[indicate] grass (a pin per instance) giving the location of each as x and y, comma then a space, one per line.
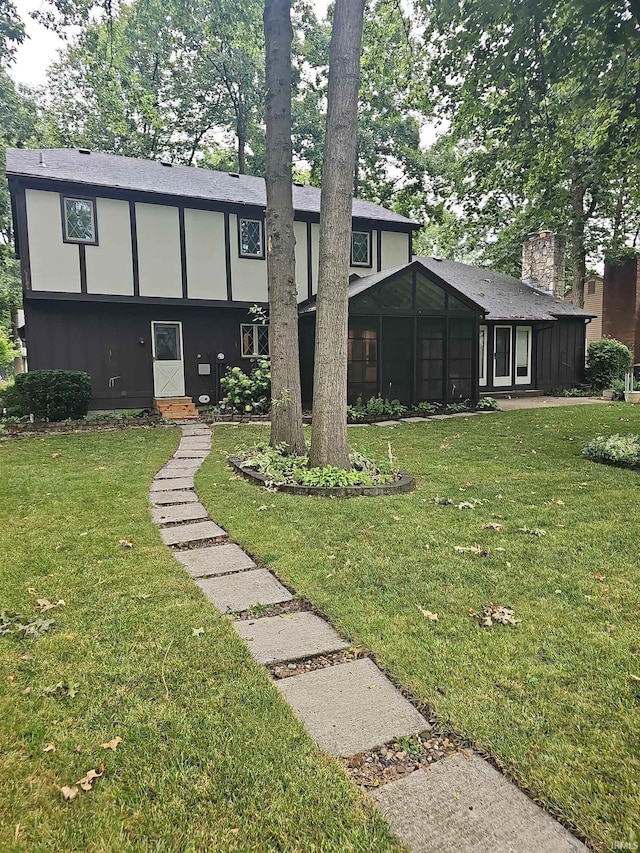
211, 758
555, 699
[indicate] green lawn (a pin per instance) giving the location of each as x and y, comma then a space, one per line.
211, 758
556, 699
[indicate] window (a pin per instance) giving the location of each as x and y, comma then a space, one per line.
251, 238
523, 353
360, 248
79, 220
255, 340
483, 355
591, 288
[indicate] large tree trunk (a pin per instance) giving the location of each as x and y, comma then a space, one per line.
578, 250
286, 407
329, 429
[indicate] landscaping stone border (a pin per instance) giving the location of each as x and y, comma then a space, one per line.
405, 483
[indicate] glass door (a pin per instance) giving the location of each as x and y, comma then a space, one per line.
502, 356
523, 355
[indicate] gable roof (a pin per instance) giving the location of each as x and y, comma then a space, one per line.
97, 169
501, 297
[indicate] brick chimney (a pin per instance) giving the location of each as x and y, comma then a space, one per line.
543, 262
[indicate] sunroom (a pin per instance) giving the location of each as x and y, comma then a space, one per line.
411, 338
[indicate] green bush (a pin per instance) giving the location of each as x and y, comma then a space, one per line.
51, 395
615, 449
487, 404
247, 393
607, 361
12, 400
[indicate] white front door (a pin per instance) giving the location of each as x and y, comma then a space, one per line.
502, 356
168, 360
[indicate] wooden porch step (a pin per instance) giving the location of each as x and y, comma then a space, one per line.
176, 408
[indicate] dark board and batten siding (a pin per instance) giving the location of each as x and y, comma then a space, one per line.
560, 354
105, 341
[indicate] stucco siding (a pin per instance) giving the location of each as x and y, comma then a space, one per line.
204, 238
110, 264
395, 249
55, 265
159, 250
248, 275
300, 233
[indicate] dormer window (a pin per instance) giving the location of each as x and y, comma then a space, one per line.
360, 248
79, 220
251, 238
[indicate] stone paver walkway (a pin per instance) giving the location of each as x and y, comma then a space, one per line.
459, 804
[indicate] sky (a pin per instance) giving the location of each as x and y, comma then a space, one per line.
41, 48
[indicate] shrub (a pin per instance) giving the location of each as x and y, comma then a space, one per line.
487, 404
376, 407
247, 393
52, 395
615, 449
608, 361
12, 400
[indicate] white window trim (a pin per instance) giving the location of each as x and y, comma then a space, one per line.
524, 380
482, 355
94, 223
260, 223
254, 330
369, 258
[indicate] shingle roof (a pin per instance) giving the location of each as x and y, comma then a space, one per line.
501, 296
129, 173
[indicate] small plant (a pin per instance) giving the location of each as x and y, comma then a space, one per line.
50, 395
457, 408
426, 408
281, 468
622, 450
249, 394
487, 404
608, 361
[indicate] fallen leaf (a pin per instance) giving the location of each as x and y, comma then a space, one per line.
44, 604
126, 543
492, 525
428, 614
197, 632
112, 744
56, 455
599, 578
493, 614
69, 793
86, 783
50, 747
472, 549
532, 531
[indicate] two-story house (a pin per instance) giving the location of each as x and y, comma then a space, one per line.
144, 273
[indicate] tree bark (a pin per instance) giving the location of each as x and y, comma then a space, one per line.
286, 405
329, 428
578, 250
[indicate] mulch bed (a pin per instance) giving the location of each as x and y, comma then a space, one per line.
28, 430
397, 759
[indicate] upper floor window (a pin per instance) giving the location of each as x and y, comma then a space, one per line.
255, 340
251, 238
360, 248
79, 220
